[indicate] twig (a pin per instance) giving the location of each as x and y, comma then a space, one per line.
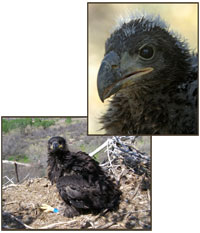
8, 186
105, 226
6, 214
121, 174
12, 202
57, 224
16, 171
108, 155
126, 149
138, 186
106, 163
148, 194
137, 211
101, 214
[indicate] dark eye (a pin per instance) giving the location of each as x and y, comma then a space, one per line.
146, 52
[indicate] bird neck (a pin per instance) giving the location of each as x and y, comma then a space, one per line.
58, 155
145, 108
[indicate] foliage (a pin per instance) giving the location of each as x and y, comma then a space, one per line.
15, 123
22, 123
44, 123
68, 120
19, 158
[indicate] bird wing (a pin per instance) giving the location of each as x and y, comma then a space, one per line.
82, 163
77, 191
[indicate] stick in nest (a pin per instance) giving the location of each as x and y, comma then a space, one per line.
6, 214
138, 186
57, 224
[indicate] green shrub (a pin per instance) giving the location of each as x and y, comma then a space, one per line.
15, 123
68, 120
23, 122
11, 158
37, 122
5, 126
44, 123
47, 124
19, 158
25, 159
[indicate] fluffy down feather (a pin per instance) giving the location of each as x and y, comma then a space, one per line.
81, 183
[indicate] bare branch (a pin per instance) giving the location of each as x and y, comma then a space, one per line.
15, 162
8, 186
57, 224
98, 149
106, 226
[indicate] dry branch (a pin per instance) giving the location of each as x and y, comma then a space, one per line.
9, 185
121, 149
57, 224
18, 163
106, 226
98, 149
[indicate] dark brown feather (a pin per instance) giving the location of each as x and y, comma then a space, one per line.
81, 182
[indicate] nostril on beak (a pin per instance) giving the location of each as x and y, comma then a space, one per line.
114, 66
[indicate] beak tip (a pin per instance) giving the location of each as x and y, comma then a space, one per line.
100, 92
102, 99
101, 96
105, 76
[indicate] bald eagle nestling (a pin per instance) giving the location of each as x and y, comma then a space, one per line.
81, 183
152, 77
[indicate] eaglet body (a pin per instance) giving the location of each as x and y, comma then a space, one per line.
81, 183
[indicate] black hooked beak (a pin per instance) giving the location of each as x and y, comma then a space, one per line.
116, 73
108, 74
55, 145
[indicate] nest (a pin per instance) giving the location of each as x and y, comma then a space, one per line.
125, 164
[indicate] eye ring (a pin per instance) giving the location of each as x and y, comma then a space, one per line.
147, 52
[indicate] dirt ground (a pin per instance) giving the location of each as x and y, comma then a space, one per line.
23, 202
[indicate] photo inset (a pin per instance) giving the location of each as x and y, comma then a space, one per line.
54, 176
142, 69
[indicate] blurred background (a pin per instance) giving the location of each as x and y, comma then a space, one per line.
102, 19
25, 140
